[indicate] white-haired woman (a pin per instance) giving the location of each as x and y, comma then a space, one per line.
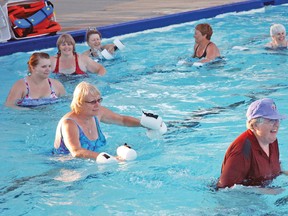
278, 36
252, 159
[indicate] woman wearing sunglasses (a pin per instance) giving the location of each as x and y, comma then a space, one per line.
78, 132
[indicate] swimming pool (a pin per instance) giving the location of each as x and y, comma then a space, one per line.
204, 109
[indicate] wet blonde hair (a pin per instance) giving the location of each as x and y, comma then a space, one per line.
35, 58
277, 28
205, 28
65, 38
82, 90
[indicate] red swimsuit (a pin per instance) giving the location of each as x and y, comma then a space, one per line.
77, 70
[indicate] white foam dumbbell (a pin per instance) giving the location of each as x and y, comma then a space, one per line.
104, 158
156, 134
151, 121
198, 64
106, 54
119, 45
154, 123
126, 152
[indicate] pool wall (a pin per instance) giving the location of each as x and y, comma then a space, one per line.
37, 43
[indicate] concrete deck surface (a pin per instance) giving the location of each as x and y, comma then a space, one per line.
76, 15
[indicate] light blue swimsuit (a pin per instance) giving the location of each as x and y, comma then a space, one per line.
92, 145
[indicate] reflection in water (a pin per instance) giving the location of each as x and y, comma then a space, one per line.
66, 175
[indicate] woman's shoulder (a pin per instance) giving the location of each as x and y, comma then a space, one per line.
87, 52
215, 48
53, 59
82, 56
52, 80
18, 88
69, 118
212, 45
20, 84
56, 83
85, 59
269, 45
54, 56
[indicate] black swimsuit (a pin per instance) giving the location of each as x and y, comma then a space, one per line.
204, 53
92, 52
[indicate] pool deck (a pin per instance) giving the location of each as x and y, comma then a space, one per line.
78, 15
119, 17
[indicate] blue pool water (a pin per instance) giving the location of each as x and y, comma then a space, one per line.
204, 109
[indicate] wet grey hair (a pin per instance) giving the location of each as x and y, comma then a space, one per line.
276, 28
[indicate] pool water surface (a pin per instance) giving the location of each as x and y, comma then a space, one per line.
203, 107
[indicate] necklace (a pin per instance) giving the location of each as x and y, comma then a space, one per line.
88, 125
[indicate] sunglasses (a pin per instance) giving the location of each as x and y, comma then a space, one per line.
95, 101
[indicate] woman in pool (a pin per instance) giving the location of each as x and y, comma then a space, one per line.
78, 132
93, 39
253, 158
68, 62
278, 36
37, 88
204, 49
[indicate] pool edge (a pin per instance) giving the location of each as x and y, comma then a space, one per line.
37, 43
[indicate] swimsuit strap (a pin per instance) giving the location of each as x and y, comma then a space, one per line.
77, 64
79, 127
77, 69
73, 121
27, 88
195, 55
53, 93
98, 127
205, 53
57, 64
61, 134
91, 53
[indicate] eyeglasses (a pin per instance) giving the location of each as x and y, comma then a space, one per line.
272, 121
95, 101
268, 121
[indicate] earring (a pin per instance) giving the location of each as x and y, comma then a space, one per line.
29, 73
